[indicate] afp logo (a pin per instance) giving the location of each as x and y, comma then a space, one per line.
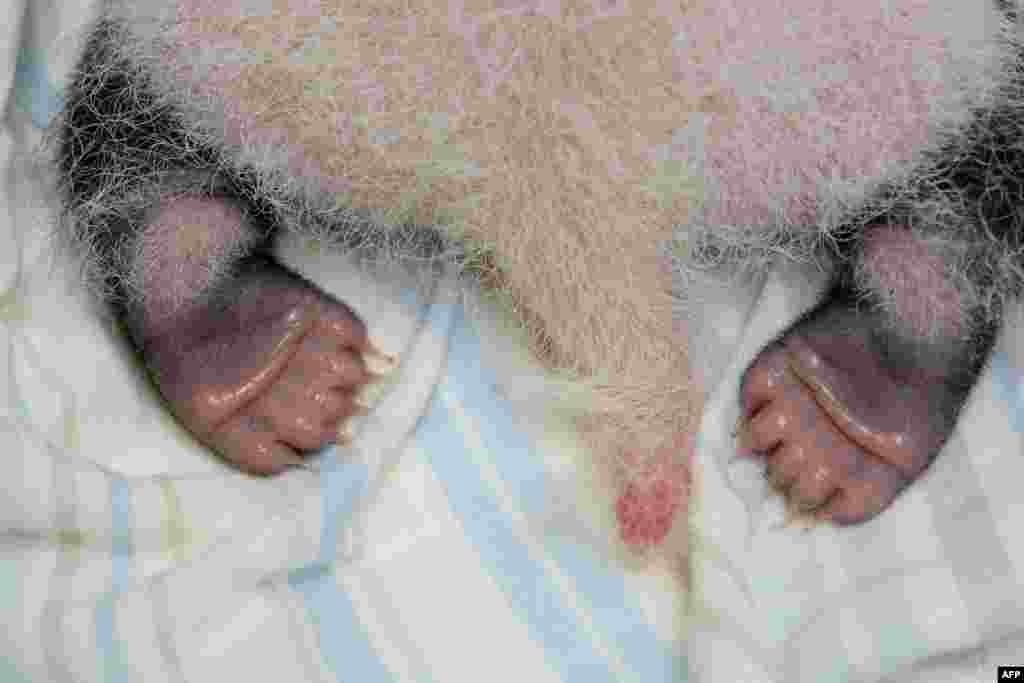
1010, 673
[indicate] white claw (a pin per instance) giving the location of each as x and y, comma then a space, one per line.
361, 400
348, 429
366, 396
378, 362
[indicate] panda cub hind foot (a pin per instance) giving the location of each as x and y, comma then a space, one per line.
852, 403
257, 363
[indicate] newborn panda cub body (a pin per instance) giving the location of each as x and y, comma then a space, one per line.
603, 153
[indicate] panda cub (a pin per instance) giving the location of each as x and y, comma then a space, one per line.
591, 161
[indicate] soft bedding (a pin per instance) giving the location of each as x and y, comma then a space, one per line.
453, 540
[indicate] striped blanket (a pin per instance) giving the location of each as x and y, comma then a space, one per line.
445, 543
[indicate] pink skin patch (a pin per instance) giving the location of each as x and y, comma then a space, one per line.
184, 249
901, 266
647, 507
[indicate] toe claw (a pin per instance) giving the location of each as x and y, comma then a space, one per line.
805, 505
368, 395
379, 363
741, 421
298, 466
742, 434
348, 429
743, 437
777, 480
806, 511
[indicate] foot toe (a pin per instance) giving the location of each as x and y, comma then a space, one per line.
763, 380
316, 363
251, 444
866, 494
765, 430
785, 466
340, 324
294, 423
808, 459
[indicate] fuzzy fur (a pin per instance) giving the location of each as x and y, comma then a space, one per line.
584, 162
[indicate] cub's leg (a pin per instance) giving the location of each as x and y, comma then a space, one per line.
256, 362
851, 403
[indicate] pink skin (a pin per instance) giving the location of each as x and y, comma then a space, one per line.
846, 413
818, 462
645, 512
262, 368
647, 506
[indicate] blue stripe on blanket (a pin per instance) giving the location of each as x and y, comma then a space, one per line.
33, 91
603, 590
524, 577
523, 580
1009, 387
344, 643
112, 667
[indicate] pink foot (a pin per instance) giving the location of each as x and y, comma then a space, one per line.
263, 372
845, 416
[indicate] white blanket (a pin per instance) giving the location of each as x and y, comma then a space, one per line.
444, 545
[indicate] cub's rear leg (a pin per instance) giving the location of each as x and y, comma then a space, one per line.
256, 362
855, 400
